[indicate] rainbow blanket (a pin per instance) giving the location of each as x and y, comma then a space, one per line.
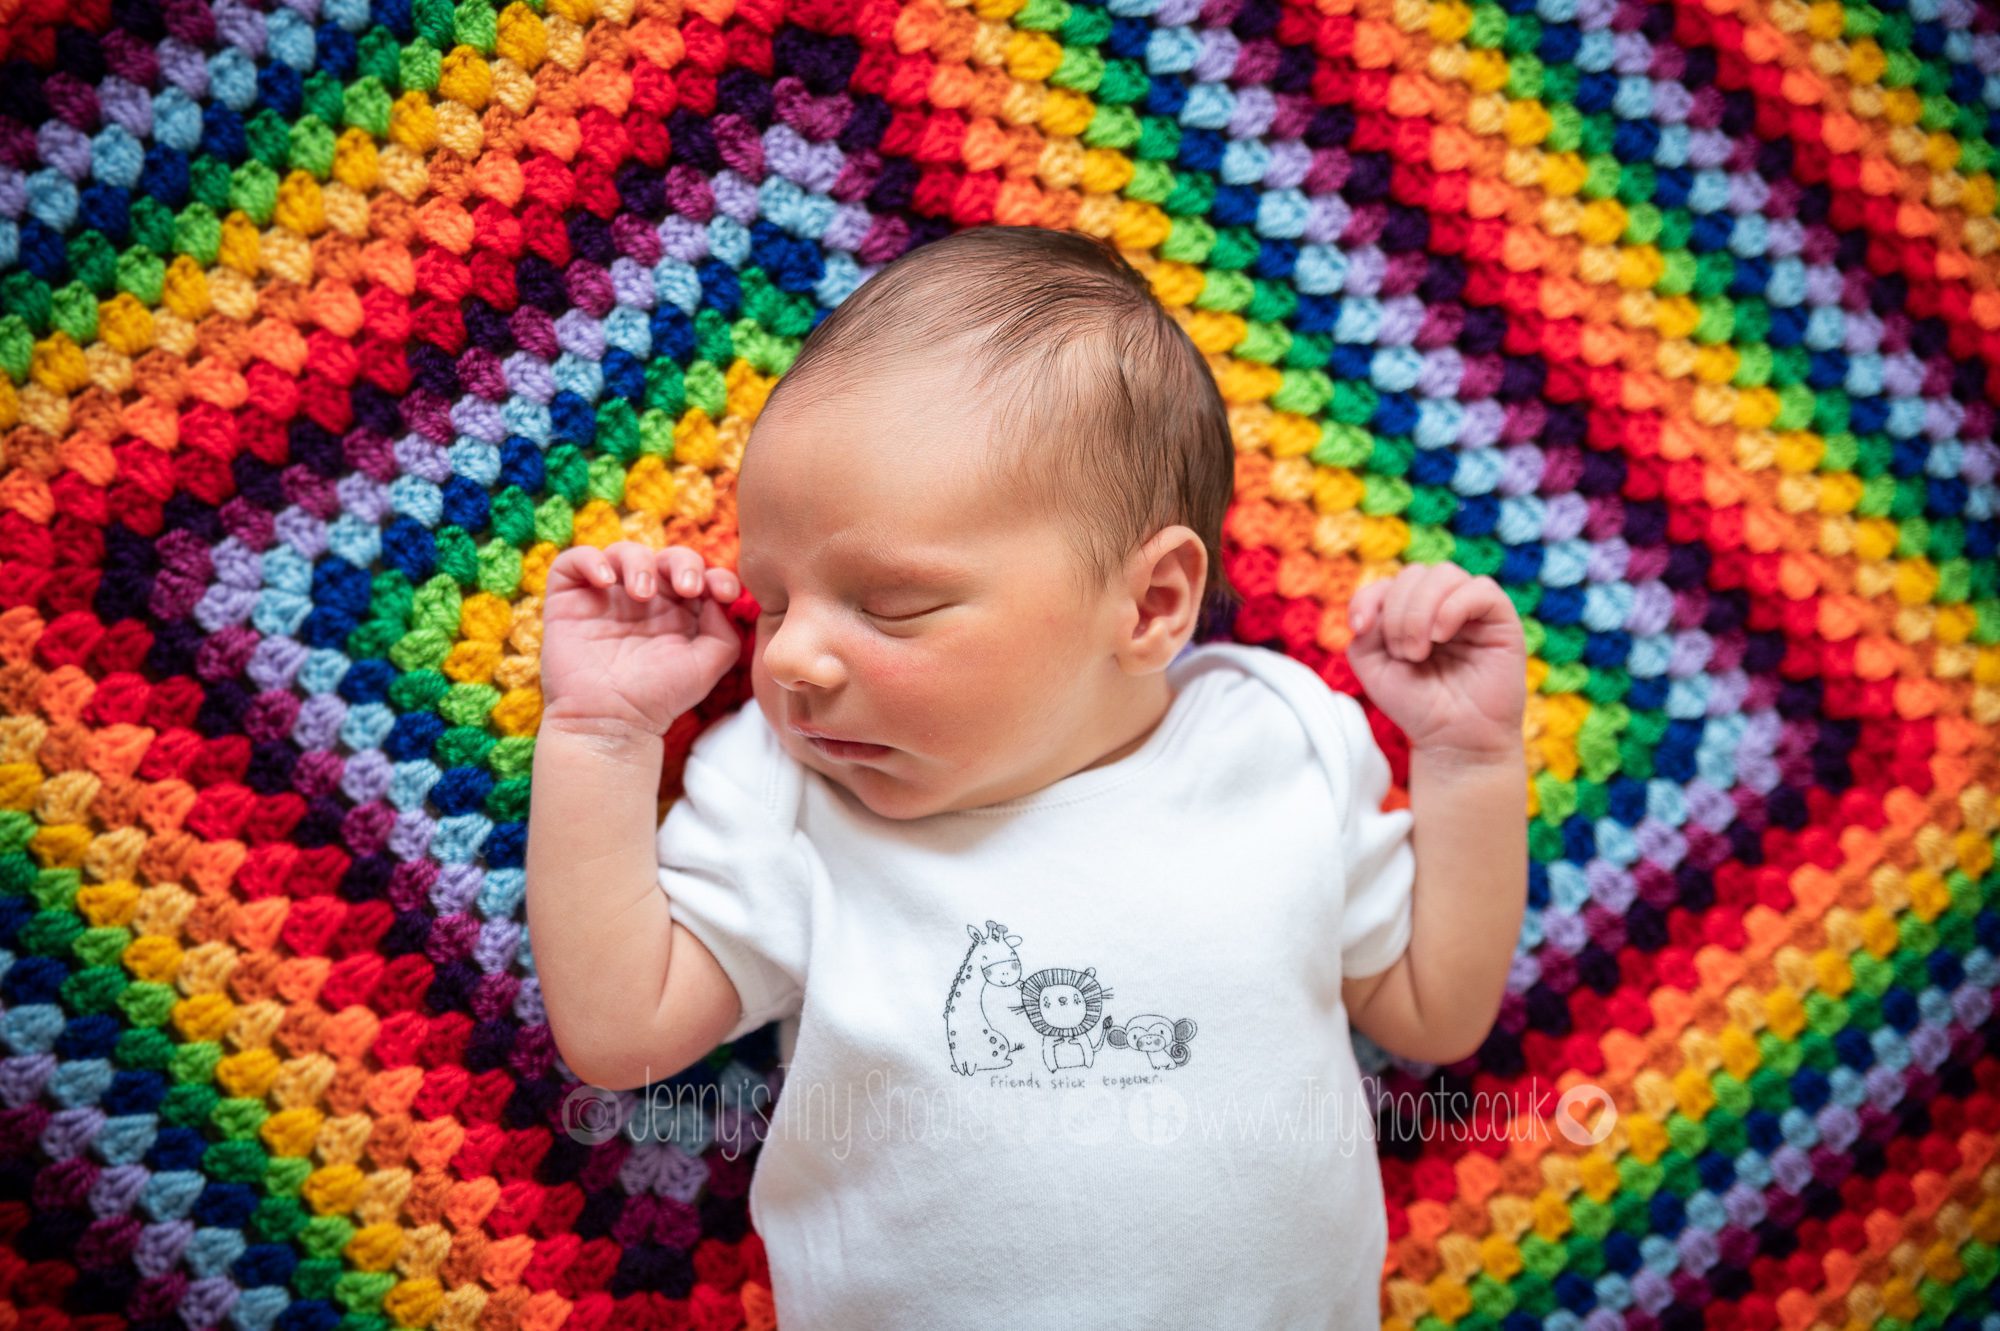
326, 324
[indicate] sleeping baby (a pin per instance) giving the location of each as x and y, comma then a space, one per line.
1075, 909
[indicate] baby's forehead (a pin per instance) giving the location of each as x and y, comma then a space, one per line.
929, 434
942, 436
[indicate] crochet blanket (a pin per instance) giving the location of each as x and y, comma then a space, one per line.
326, 324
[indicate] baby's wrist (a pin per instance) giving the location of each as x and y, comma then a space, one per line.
599, 731
1475, 759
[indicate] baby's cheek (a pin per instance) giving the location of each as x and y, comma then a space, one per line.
905, 669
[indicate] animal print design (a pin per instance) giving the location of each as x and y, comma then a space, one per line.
1066, 1008
978, 1041
992, 1012
1163, 1042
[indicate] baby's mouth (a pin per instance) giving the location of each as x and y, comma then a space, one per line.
846, 750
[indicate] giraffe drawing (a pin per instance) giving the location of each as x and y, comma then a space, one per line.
979, 1043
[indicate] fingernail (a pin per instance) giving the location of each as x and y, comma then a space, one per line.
643, 584
690, 583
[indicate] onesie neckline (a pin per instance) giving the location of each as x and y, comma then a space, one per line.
1183, 676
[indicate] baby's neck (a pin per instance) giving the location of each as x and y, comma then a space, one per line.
1151, 699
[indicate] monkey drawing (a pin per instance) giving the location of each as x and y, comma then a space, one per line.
1163, 1042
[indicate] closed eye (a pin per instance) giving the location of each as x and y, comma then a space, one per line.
887, 619
897, 619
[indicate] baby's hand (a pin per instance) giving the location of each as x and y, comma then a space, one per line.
629, 639
1442, 653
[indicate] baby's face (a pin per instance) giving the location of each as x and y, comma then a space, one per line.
903, 608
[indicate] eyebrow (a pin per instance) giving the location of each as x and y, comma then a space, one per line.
917, 570
902, 570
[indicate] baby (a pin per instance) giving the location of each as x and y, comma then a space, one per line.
1074, 911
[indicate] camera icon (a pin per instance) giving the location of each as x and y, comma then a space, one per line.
590, 1115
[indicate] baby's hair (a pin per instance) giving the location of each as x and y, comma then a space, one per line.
1112, 422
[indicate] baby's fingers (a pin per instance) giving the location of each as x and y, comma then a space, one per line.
1477, 610
1365, 608
688, 575
682, 568
1469, 598
1413, 606
585, 565
635, 567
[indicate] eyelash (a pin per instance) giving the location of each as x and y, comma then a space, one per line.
886, 619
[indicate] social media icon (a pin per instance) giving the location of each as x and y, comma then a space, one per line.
1574, 1113
590, 1115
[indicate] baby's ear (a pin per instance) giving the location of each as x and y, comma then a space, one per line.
1013, 940
973, 929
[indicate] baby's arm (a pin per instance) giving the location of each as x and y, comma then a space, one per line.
1437, 1002
631, 995
632, 639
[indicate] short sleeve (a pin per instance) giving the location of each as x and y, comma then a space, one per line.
1378, 860
736, 868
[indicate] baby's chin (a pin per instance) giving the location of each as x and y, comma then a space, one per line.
893, 802
882, 794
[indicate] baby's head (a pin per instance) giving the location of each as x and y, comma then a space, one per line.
981, 513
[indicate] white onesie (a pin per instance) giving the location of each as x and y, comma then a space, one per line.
1079, 1058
